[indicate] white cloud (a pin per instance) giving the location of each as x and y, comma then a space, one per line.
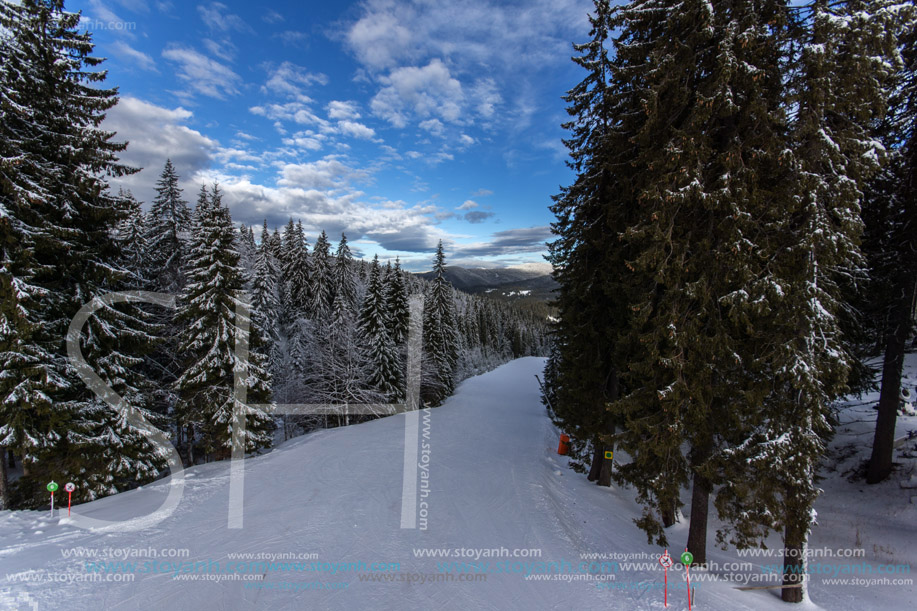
477, 216
217, 17
440, 157
392, 225
224, 49
288, 79
498, 34
434, 126
486, 97
426, 92
452, 44
102, 16
228, 155
138, 6
356, 130
482, 193
324, 193
298, 112
342, 110
204, 75
303, 141
326, 173
472, 214
379, 40
509, 242
465, 140
138, 58
272, 16
155, 134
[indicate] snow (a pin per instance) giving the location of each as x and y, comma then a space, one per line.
494, 481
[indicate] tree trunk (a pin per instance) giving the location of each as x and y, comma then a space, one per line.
794, 561
598, 454
880, 463
610, 394
605, 469
697, 530
4, 481
190, 442
12, 459
668, 515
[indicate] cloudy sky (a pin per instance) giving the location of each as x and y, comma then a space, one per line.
398, 122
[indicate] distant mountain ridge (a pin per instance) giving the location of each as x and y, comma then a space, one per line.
505, 284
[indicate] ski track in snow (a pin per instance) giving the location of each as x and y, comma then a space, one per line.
495, 481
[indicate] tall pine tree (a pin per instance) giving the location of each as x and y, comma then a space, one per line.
440, 336
376, 340
59, 229
169, 223
208, 309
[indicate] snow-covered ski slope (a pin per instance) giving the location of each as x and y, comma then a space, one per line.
495, 483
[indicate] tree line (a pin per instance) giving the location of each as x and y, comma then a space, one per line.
322, 327
738, 241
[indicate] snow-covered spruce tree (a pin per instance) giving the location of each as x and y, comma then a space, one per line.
298, 276
707, 169
276, 247
321, 289
396, 300
334, 370
31, 424
472, 357
398, 310
295, 386
342, 376
245, 243
440, 337
169, 222
294, 329
345, 282
592, 309
294, 263
188, 420
892, 243
266, 304
159, 366
208, 310
61, 251
376, 341
114, 341
132, 242
797, 358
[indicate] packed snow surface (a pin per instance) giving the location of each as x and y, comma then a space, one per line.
499, 501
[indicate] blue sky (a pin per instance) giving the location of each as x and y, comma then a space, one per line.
398, 122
